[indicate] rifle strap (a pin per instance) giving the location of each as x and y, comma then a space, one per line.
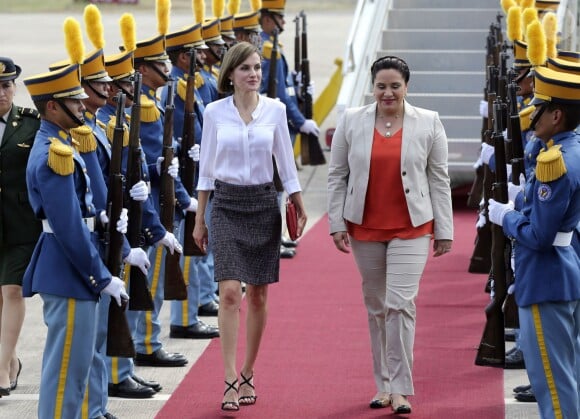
83, 135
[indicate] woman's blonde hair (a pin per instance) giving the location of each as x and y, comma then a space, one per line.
235, 56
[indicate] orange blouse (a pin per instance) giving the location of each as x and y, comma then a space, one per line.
386, 215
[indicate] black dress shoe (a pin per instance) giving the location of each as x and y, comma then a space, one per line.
208, 309
130, 389
147, 383
110, 416
526, 396
286, 253
200, 330
4, 391
510, 336
160, 358
522, 388
289, 243
515, 361
14, 384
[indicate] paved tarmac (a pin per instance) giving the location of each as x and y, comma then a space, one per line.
34, 41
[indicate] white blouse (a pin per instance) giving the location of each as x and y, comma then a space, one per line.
241, 154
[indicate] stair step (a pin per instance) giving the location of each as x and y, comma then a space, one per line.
447, 82
437, 38
440, 60
441, 18
448, 104
463, 4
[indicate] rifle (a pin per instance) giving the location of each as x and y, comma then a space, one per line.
273, 93
140, 298
297, 46
310, 150
491, 351
174, 284
119, 340
188, 166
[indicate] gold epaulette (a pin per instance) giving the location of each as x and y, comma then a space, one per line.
550, 164
149, 111
215, 72
181, 88
85, 138
199, 80
60, 157
525, 120
267, 50
110, 130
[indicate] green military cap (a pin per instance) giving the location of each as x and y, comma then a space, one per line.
8, 70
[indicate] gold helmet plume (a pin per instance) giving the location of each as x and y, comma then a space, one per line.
94, 26
162, 8
514, 23
537, 50
73, 40
127, 25
550, 24
528, 16
255, 5
525, 4
234, 7
506, 5
199, 10
218, 8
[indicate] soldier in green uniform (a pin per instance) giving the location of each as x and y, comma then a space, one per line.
19, 229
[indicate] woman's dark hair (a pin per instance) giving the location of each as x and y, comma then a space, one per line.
235, 56
390, 61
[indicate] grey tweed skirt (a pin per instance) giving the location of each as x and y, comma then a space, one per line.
246, 226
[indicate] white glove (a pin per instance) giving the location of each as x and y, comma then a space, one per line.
514, 190
487, 152
480, 220
139, 192
497, 211
193, 152
171, 242
123, 221
192, 205
138, 257
104, 218
172, 170
298, 78
508, 170
310, 127
116, 289
310, 88
483, 108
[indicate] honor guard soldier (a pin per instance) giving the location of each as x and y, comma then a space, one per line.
547, 266
247, 28
19, 228
150, 59
180, 45
66, 268
210, 32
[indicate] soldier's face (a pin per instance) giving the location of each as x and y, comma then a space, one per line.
7, 91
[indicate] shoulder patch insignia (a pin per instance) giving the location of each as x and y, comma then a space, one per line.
31, 113
149, 111
83, 135
60, 157
544, 192
550, 164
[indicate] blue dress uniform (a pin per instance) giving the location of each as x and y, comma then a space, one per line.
119, 369
285, 89
148, 326
66, 269
547, 265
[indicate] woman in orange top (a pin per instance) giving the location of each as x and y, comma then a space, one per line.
389, 195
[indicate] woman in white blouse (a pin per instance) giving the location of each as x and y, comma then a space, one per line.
240, 135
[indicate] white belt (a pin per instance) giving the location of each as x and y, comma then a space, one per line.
90, 222
563, 239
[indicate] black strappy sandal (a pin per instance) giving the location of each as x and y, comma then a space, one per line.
231, 405
247, 400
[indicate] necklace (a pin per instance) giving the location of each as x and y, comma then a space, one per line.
388, 126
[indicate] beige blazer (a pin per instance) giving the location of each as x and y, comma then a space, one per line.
423, 169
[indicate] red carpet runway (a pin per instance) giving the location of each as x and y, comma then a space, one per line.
315, 359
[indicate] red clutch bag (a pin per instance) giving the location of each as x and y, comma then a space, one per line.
291, 220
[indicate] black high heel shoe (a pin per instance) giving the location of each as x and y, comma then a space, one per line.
231, 405
14, 384
247, 381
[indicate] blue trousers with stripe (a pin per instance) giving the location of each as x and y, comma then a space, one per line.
68, 356
550, 340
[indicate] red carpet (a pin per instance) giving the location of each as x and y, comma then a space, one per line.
315, 359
